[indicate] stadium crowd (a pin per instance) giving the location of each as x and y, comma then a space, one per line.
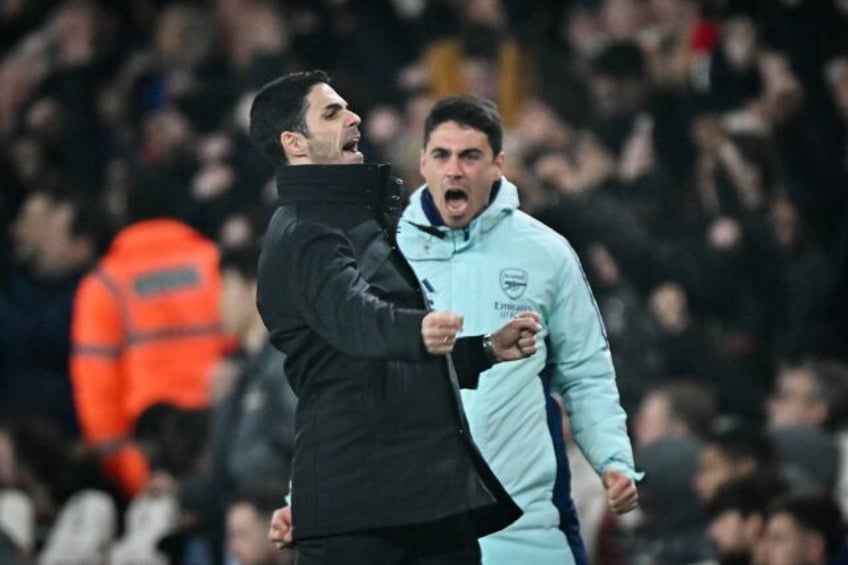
693, 152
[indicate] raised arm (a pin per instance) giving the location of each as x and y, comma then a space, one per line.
313, 267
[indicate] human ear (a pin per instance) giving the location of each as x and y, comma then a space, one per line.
293, 143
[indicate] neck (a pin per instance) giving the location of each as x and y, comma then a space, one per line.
299, 160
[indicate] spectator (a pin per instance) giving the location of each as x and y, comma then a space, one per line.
58, 237
709, 149
680, 340
802, 285
737, 515
807, 412
733, 451
145, 328
672, 421
628, 326
810, 393
683, 408
248, 516
482, 59
251, 439
804, 527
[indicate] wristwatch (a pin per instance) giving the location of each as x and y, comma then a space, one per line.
489, 348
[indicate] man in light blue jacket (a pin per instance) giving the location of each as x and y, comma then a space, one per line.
478, 255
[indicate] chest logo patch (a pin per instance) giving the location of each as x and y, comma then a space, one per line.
514, 282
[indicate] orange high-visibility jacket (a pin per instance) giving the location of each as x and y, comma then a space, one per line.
146, 328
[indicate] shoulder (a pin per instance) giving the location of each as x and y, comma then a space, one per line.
538, 240
94, 285
97, 294
288, 229
301, 242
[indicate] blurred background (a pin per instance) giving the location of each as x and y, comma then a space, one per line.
694, 152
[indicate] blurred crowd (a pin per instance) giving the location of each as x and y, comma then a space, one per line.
694, 153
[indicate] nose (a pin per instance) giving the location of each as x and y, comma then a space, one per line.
453, 168
353, 119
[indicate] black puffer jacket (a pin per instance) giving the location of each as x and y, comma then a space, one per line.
381, 439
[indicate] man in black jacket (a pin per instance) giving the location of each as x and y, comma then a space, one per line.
384, 469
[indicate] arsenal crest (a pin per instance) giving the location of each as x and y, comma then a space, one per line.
513, 282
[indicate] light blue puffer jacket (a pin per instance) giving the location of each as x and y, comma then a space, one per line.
505, 262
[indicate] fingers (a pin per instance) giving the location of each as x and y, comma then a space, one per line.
527, 322
517, 338
439, 331
528, 314
622, 494
280, 530
628, 500
527, 343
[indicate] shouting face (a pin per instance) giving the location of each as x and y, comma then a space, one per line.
333, 130
459, 167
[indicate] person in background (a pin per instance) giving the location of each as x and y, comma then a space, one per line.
58, 236
737, 517
732, 452
251, 439
248, 515
463, 230
145, 328
807, 527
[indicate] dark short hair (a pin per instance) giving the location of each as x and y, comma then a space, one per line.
470, 111
155, 193
814, 510
692, 402
281, 106
748, 495
243, 259
620, 60
88, 218
739, 441
91, 221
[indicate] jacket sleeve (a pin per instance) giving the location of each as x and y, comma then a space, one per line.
584, 375
337, 303
97, 336
470, 360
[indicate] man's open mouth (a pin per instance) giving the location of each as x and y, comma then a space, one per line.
351, 146
456, 201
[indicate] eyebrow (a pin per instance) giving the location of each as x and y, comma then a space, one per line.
333, 107
463, 153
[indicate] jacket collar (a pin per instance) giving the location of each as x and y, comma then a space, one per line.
364, 183
421, 220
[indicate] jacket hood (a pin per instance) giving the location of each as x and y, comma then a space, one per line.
419, 232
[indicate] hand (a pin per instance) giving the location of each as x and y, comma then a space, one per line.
280, 531
622, 495
438, 330
517, 338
